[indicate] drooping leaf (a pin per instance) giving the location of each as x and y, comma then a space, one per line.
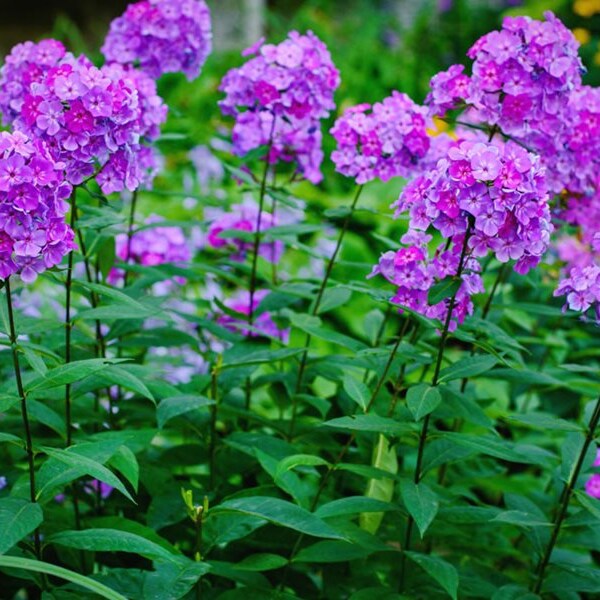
384, 457
357, 391
422, 399
421, 502
111, 540
468, 367
439, 570
28, 564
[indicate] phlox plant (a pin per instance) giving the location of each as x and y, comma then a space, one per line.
222, 380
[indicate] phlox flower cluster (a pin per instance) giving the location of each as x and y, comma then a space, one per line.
94, 120
33, 233
521, 79
152, 245
498, 188
383, 141
244, 218
263, 323
413, 271
573, 153
278, 98
581, 286
161, 36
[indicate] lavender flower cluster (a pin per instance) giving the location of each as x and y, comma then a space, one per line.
380, 142
278, 98
94, 120
161, 36
33, 189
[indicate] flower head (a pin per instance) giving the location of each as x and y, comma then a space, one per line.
161, 36
278, 98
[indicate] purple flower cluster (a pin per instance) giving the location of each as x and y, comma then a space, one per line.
498, 187
263, 324
521, 78
153, 245
94, 120
581, 286
161, 36
414, 273
573, 153
244, 218
33, 193
278, 98
386, 142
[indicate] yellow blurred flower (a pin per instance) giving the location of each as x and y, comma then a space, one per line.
583, 36
586, 8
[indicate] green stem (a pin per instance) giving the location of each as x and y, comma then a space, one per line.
317, 304
68, 323
434, 382
23, 396
565, 498
130, 225
257, 233
213, 427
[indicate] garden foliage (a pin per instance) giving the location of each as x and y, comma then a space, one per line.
266, 392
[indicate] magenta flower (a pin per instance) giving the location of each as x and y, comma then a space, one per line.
278, 98
498, 187
93, 120
592, 486
244, 217
387, 142
263, 323
151, 246
33, 232
161, 36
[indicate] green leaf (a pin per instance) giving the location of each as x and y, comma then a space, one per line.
439, 570
298, 460
520, 518
87, 465
173, 580
334, 297
126, 463
27, 564
370, 422
106, 256
261, 562
46, 416
238, 358
115, 375
468, 367
312, 326
280, 513
381, 489
18, 518
592, 505
496, 447
70, 373
354, 505
422, 399
444, 289
7, 402
421, 503
357, 390
169, 408
545, 421
35, 361
112, 540
331, 552
373, 323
